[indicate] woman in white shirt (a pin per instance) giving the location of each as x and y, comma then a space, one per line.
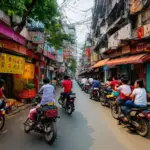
138, 97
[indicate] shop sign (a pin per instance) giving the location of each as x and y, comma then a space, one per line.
11, 64
143, 31
147, 47
105, 68
13, 46
88, 52
4, 30
37, 37
60, 58
67, 54
140, 32
28, 72
123, 34
140, 47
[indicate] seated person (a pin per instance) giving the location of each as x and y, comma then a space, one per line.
138, 97
95, 83
67, 85
124, 91
47, 92
107, 85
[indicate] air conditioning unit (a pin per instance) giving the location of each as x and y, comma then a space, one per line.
16, 19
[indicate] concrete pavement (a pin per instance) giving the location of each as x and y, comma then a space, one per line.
91, 127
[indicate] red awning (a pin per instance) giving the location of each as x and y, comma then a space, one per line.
100, 63
140, 58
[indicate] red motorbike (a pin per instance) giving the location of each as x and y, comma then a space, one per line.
43, 120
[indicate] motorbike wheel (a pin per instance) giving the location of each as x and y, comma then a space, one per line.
27, 125
144, 130
50, 136
102, 101
60, 101
70, 109
115, 111
2, 122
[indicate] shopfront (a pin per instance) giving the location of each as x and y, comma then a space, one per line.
10, 65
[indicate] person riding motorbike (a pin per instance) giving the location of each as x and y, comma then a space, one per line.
47, 91
124, 91
138, 98
95, 83
84, 81
90, 80
107, 85
2, 96
67, 85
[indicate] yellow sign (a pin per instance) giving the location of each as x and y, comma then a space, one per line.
29, 71
11, 64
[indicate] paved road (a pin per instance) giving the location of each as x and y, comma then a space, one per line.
91, 127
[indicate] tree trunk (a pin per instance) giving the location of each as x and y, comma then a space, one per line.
25, 15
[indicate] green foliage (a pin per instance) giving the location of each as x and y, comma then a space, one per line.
45, 11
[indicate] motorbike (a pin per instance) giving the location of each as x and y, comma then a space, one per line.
67, 102
2, 117
94, 94
106, 98
87, 88
43, 121
138, 120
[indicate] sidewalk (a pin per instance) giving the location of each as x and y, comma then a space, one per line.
26, 106
19, 109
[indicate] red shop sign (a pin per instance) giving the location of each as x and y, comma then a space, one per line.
140, 47
140, 32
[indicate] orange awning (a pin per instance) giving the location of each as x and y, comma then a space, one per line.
140, 58
100, 63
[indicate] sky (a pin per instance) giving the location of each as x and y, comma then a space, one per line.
78, 11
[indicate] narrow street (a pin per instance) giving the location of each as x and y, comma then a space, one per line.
91, 127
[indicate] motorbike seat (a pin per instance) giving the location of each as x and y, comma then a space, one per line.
95, 88
139, 109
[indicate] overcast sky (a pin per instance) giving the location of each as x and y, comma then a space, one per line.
75, 10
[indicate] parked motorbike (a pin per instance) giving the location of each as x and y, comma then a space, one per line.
67, 102
2, 116
138, 120
115, 110
43, 121
87, 88
94, 94
106, 98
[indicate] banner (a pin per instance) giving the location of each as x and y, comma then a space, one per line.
11, 64
29, 71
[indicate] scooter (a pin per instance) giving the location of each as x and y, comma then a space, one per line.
42, 119
94, 94
67, 102
139, 119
